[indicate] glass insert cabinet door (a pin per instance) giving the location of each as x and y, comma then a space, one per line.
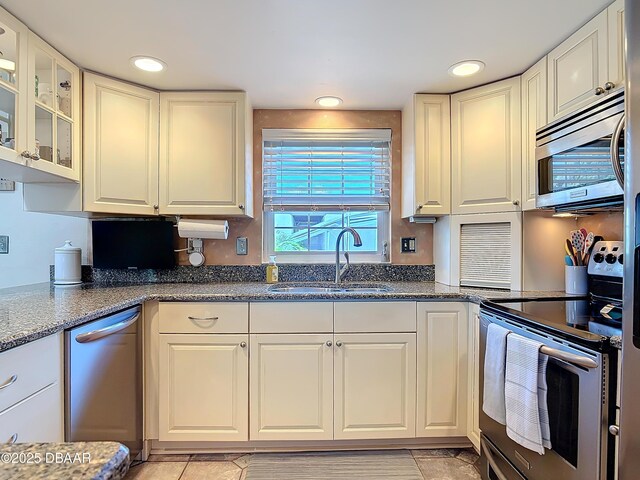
13, 88
53, 111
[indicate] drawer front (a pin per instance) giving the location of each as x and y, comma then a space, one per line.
375, 317
195, 317
26, 369
36, 419
292, 317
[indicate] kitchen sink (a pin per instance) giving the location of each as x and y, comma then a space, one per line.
328, 289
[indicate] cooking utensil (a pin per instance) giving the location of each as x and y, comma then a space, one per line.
568, 260
588, 244
569, 249
584, 232
577, 242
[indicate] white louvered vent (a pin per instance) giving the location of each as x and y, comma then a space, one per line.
485, 255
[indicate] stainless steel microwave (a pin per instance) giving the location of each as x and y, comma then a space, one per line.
580, 157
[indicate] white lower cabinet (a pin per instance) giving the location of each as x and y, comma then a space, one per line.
204, 387
291, 387
375, 385
442, 369
473, 410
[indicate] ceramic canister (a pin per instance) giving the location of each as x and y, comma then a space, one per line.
68, 264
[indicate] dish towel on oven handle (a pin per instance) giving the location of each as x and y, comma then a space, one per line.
493, 403
526, 394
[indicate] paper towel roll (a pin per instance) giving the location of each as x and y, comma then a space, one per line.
214, 229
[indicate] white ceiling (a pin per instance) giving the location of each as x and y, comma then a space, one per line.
285, 53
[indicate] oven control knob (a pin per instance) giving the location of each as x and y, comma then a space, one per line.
598, 258
620, 258
610, 258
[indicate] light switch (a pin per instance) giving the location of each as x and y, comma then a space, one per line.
7, 185
242, 246
408, 245
4, 243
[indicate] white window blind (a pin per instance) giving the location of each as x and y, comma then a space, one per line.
485, 255
326, 170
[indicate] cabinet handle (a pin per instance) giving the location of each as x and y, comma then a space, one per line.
609, 86
243, 344
25, 154
329, 343
599, 91
9, 382
614, 430
202, 319
13, 439
35, 156
338, 344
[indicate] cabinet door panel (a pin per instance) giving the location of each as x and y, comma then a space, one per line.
486, 152
576, 67
375, 381
442, 367
203, 387
291, 387
202, 153
36, 419
615, 16
534, 116
120, 147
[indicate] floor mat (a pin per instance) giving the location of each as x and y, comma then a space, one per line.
371, 465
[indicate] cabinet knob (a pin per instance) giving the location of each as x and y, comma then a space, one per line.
329, 343
609, 86
243, 344
35, 156
516, 202
241, 206
614, 430
25, 154
155, 207
13, 439
338, 343
599, 91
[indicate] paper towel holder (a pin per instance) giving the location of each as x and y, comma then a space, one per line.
195, 249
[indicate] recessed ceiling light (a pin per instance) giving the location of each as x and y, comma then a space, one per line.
466, 68
328, 101
148, 64
7, 65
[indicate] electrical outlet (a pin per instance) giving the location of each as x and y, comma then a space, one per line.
242, 246
4, 243
408, 245
7, 185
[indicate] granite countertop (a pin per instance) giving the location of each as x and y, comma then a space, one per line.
53, 461
35, 311
616, 342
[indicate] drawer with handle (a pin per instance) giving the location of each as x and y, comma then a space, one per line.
36, 419
26, 369
203, 317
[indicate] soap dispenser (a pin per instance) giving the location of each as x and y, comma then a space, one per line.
272, 270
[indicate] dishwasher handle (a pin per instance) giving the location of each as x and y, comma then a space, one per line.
106, 331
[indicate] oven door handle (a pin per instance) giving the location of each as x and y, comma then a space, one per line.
491, 460
615, 152
578, 360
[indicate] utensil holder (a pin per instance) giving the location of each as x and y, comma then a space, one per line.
575, 280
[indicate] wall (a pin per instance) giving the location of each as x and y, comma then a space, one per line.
33, 237
222, 252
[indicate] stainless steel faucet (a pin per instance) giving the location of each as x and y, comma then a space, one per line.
357, 242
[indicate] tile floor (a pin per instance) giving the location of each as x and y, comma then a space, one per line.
439, 464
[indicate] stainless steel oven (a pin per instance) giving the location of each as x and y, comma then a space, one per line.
580, 157
578, 405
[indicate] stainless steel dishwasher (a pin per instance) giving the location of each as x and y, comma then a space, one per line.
103, 373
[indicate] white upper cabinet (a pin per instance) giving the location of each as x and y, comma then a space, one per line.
426, 156
120, 147
615, 18
534, 116
205, 154
577, 67
53, 111
485, 148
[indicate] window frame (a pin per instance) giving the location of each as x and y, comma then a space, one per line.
382, 255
